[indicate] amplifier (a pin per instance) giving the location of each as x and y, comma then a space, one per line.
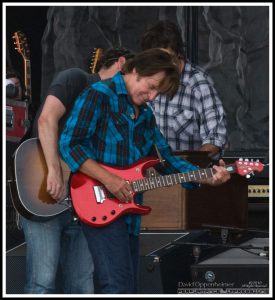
178, 208
14, 236
165, 264
166, 257
17, 119
16, 271
257, 187
240, 270
260, 190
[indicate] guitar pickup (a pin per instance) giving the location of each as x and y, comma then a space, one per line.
99, 194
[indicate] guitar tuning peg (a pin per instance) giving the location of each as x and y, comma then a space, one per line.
240, 159
246, 159
257, 160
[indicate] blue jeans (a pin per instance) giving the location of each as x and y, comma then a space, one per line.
58, 240
115, 254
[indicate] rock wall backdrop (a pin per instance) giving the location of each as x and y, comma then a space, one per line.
231, 42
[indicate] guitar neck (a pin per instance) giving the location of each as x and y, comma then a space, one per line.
96, 56
146, 184
27, 77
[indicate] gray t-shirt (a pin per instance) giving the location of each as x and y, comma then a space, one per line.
66, 86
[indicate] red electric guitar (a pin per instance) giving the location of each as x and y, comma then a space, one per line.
96, 207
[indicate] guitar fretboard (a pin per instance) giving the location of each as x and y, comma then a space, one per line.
169, 180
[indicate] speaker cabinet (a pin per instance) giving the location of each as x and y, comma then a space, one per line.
17, 119
234, 271
177, 208
16, 270
14, 236
166, 258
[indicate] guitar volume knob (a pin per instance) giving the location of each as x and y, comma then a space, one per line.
104, 218
93, 219
113, 212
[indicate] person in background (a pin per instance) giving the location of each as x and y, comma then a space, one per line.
60, 239
193, 118
14, 86
112, 124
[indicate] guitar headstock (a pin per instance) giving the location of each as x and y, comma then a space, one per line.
21, 43
245, 167
96, 54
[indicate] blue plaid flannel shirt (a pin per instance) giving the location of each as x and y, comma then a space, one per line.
101, 127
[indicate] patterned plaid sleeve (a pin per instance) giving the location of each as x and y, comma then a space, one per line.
173, 163
212, 117
73, 143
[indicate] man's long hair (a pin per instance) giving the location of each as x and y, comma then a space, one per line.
153, 61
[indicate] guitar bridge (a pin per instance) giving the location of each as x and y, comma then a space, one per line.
99, 194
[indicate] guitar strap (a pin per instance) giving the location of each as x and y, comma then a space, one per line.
161, 160
152, 172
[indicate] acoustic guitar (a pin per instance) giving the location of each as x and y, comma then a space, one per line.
29, 185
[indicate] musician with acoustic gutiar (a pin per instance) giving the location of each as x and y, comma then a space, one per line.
111, 128
51, 230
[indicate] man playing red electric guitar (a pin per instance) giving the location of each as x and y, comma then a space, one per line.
111, 124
